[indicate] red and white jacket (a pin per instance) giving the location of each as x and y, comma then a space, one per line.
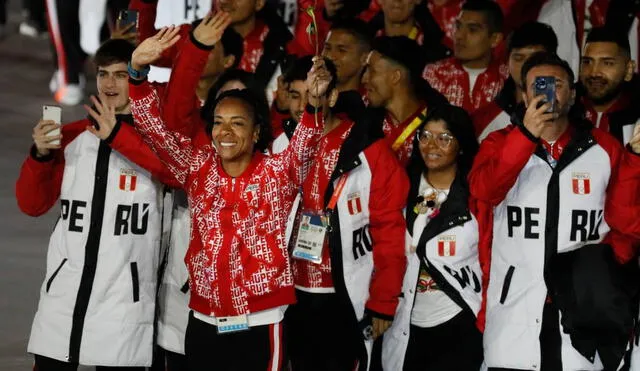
237, 258
449, 78
446, 16
528, 210
103, 254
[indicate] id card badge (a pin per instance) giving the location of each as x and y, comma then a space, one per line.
310, 240
233, 324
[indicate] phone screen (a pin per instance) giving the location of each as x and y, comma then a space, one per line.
53, 113
546, 85
128, 17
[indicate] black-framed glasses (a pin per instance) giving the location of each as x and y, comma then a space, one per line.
442, 140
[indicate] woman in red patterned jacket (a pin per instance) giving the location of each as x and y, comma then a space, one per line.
239, 272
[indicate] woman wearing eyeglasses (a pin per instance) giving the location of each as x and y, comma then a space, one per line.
435, 324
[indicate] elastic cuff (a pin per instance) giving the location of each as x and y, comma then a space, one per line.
114, 132
200, 45
34, 155
313, 109
375, 314
528, 134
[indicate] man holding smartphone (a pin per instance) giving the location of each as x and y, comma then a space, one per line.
97, 302
556, 192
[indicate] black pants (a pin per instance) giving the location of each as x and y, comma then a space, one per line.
550, 342
165, 360
318, 334
455, 345
64, 31
49, 364
36, 13
3, 12
261, 348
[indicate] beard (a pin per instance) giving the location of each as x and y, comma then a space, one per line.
607, 94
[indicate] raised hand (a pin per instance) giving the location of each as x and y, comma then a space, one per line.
210, 30
536, 119
151, 49
105, 116
125, 33
635, 140
318, 80
42, 141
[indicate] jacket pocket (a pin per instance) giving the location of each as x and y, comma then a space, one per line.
506, 284
55, 273
135, 282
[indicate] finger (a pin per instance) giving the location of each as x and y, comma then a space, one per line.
172, 42
92, 113
635, 139
533, 105
161, 33
49, 146
97, 104
43, 124
106, 106
47, 139
126, 28
548, 117
49, 128
92, 130
208, 18
172, 33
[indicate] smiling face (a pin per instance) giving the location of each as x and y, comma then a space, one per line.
113, 81
604, 69
438, 147
346, 53
234, 132
398, 11
297, 98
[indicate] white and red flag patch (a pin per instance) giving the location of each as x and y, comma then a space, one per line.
354, 203
447, 245
128, 179
581, 183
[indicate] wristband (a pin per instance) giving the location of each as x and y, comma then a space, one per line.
138, 75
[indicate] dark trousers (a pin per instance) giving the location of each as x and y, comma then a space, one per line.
64, 30
318, 334
3, 12
165, 360
49, 364
258, 349
455, 345
550, 341
36, 13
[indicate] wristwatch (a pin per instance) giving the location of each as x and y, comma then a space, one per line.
138, 74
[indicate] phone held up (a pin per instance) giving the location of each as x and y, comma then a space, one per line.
546, 85
127, 17
53, 113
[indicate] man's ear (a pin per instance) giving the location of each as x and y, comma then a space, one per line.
524, 99
260, 4
333, 98
631, 66
228, 61
496, 39
572, 99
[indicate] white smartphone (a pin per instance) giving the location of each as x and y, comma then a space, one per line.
53, 113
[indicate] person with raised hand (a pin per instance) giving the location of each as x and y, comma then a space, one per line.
239, 271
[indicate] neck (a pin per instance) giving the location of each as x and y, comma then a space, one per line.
603, 107
478, 63
518, 94
234, 168
126, 110
245, 27
442, 178
402, 106
331, 122
556, 129
204, 84
399, 29
351, 84
439, 2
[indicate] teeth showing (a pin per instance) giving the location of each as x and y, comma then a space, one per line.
227, 144
433, 156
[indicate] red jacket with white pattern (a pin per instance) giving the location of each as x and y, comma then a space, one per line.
240, 264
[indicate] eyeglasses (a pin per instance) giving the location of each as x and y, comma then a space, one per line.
442, 140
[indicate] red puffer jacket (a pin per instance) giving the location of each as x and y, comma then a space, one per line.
239, 264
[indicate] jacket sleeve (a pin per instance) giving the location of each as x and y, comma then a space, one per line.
126, 140
296, 158
39, 183
389, 189
174, 149
180, 103
503, 154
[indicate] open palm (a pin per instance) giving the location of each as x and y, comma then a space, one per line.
151, 49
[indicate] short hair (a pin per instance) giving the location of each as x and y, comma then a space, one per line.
260, 113
610, 35
248, 79
357, 28
532, 34
298, 70
491, 11
232, 44
114, 51
546, 59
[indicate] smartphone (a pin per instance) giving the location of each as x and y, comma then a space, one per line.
546, 85
127, 17
53, 113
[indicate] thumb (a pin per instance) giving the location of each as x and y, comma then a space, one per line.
92, 130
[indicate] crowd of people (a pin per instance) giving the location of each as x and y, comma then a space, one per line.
381, 186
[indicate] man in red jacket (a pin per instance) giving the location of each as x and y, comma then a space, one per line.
606, 74
473, 76
102, 259
552, 185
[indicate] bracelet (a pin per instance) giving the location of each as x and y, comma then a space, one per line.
138, 75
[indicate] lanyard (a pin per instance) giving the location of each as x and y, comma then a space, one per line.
409, 130
414, 33
336, 193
